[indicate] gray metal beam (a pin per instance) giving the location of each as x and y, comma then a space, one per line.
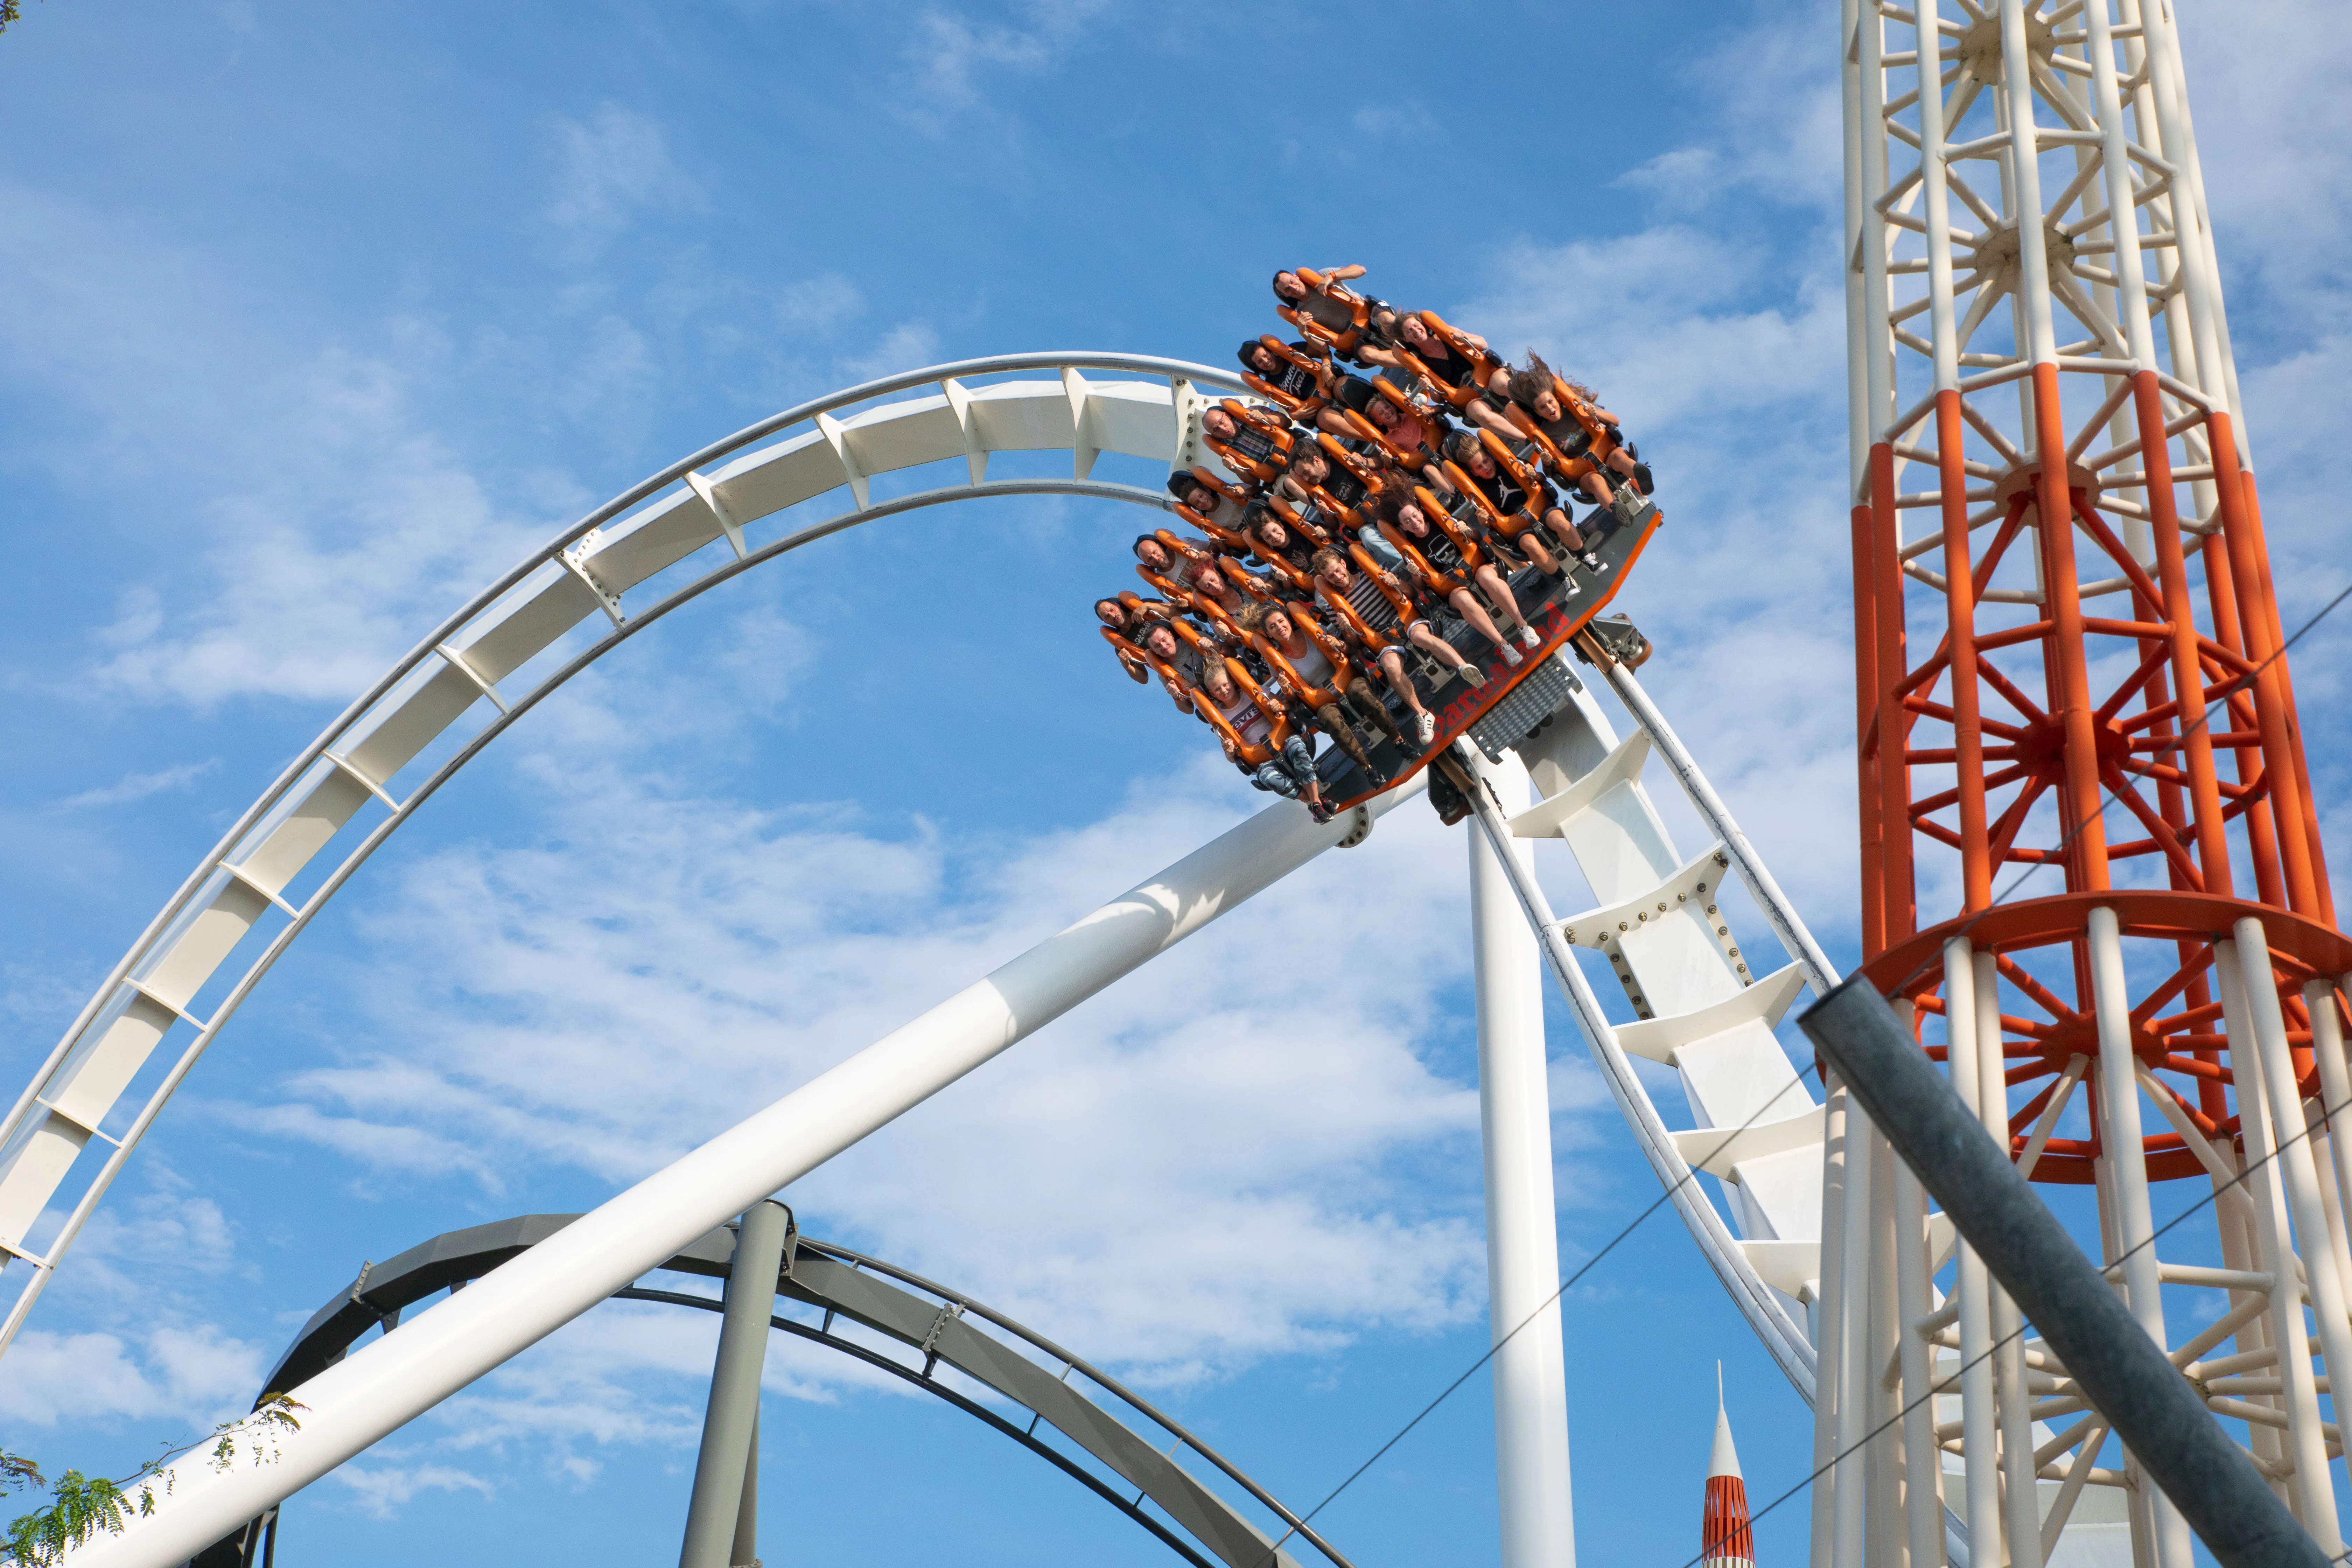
2125, 1374
722, 1477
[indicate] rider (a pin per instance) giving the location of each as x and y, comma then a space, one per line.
1402, 539
1338, 587
1288, 766
1316, 670
1534, 396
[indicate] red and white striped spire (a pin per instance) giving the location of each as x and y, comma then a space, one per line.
1726, 1540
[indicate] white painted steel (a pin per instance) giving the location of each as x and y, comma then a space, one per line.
253, 894
2022, 188
1581, 741
436, 1353
1530, 1373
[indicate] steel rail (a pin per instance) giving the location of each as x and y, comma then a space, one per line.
121, 989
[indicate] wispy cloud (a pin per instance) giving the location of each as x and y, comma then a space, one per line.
139, 786
609, 169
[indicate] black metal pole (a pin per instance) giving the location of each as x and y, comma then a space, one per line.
2120, 1370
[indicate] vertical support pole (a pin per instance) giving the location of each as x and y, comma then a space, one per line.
2298, 1177
746, 1551
1531, 1462
2309, 1493
2012, 1396
733, 1414
1849, 1531
1923, 1459
1979, 1414
1829, 1318
2335, 1083
2135, 1217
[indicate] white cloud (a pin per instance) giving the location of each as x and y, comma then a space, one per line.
196, 1376
382, 1490
1405, 122
1197, 1169
139, 786
610, 169
952, 59
909, 345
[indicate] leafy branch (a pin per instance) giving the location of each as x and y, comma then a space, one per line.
84, 1505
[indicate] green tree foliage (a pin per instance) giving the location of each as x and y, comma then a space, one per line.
9, 12
81, 1505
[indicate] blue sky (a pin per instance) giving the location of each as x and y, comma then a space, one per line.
317, 318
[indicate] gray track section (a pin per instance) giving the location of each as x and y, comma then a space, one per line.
944, 1326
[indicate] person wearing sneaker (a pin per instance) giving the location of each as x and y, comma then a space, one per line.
1409, 529
1338, 584
1275, 757
1315, 670
1412, 553
1471, 459
1535, 398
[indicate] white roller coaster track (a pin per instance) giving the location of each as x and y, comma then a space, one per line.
1702, 1009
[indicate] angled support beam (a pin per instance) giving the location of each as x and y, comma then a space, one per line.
391, 1380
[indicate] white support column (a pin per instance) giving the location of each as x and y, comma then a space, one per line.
2119, 1110
1979, 1412
1531, 1464
2310, 1493
2298, 1177
2023, 1519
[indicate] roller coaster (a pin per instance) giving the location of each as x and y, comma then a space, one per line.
745, 502
1944, 1431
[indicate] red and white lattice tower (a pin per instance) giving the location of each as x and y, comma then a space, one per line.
2069, 657
1725, 1538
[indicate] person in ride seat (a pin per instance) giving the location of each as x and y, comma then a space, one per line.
1402, 538
1314, 668
1130, 622
1182, 661
1569, 427
1412, 437
1457, 377
1255, 445
1318, 304
1312, 479
1274, 540
1360, 601
1510, 496
1211, 505
1274, 756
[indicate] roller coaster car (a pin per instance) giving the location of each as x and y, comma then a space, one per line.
1460, 709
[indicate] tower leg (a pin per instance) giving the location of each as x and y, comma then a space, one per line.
722, 1478
1522, 1239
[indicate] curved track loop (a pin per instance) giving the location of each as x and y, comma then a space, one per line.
658, 547
651, 549
1001, 1364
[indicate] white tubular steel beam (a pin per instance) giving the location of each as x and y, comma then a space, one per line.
1756, 1299
1532, 1459
492, 661
434, 1354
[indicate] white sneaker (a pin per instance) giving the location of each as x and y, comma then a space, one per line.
1527, 636
1424, 727
1474, 675
1511, 657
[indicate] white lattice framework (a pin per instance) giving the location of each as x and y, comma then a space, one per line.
2027, 229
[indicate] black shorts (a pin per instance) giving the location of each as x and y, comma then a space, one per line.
1354, 393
